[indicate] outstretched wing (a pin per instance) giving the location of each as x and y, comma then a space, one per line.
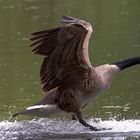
64, 64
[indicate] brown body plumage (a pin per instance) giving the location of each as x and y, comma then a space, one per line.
67, 77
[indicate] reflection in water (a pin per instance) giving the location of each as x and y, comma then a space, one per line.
9, 7
32, 8
124, 107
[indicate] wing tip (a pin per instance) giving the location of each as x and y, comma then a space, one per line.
68, 19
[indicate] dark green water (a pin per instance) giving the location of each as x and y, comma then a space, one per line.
116, 35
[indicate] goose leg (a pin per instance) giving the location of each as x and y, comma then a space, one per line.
79, 117
73, 116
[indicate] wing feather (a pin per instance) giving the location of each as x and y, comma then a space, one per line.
45, 41
64, 64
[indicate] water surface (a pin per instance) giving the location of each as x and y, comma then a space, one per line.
53, 129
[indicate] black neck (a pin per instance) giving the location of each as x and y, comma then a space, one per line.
127, 63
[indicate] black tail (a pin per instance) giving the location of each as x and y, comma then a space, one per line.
127, 62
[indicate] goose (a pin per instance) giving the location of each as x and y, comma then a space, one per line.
68, 79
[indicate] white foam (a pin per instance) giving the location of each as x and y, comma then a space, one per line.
47, 128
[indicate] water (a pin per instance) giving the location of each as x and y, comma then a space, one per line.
54, 129
116, 26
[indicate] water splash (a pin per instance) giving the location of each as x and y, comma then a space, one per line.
56, 129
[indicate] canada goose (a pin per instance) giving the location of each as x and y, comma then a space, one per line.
67, 76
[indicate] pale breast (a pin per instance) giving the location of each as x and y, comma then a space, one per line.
91, 88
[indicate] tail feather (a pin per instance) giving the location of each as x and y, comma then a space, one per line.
39, 111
